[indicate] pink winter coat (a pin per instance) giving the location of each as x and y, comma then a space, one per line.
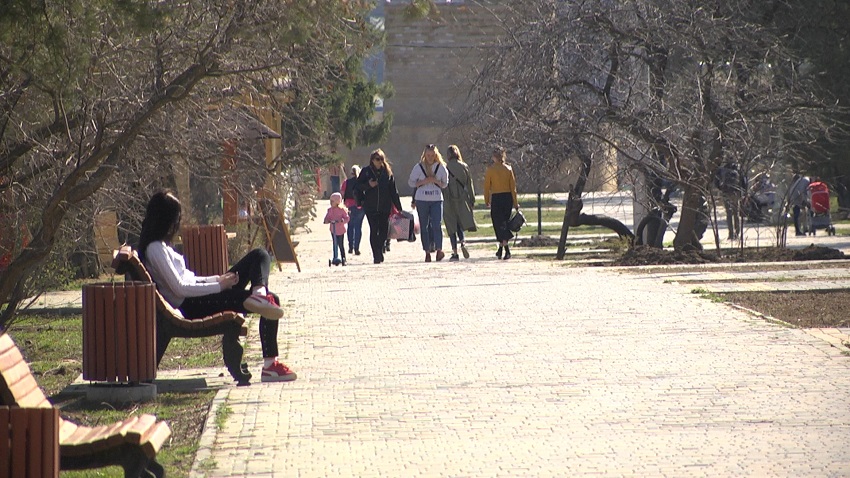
339, 216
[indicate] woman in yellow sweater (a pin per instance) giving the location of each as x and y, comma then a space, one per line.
500, 197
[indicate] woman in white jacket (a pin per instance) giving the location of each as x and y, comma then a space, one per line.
429, 177
198, 296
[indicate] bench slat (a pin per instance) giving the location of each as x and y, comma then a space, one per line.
19, 447
142, 430
89, 336
17, 385
122, 351
66, 429
86, 440
51, 430
14, 371
5, 445
155, 439
35, 444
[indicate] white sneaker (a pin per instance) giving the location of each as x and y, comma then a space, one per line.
264, 305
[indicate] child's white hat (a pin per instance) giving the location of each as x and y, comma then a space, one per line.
337, 197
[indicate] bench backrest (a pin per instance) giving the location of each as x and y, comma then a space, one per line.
17, 384
126, 261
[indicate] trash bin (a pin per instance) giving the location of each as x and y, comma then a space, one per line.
29, 442
119, 332
205, 249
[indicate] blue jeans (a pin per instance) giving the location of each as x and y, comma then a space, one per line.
430, 220
355, 227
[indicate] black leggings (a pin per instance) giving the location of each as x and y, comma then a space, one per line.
253, 269
379, 223
500, 212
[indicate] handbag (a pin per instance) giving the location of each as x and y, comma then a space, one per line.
413, 227
516, 221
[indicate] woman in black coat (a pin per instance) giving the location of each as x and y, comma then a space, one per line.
376, 185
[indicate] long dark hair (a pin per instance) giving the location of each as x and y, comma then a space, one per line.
454, 153
162, 221
379, 154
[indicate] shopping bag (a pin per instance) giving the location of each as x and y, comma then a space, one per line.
399, 227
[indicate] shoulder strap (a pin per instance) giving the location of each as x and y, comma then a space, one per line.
462, 186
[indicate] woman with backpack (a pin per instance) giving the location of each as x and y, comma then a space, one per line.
429, 177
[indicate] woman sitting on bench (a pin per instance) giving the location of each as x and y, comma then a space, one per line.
198, 297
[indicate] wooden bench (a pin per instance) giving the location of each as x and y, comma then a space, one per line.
132, 444
170, 323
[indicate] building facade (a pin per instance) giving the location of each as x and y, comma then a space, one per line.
432, 64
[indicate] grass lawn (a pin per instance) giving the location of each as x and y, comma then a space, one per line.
552, 219
52, 345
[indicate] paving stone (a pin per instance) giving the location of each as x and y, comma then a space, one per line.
527, 368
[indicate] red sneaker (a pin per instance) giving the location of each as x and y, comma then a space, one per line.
265, 305
278, 372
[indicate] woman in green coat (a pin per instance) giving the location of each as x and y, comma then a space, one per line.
458, 197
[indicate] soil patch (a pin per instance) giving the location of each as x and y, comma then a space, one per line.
645, 255
806, 309
538, 241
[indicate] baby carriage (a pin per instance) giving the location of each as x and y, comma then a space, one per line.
819, 217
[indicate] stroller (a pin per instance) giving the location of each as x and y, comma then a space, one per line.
819, 217
759, 203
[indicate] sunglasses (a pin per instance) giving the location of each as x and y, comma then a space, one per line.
431, 147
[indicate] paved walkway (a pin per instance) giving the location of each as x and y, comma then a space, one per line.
488, 368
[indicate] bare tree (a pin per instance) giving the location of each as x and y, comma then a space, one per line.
103, 96
676, 88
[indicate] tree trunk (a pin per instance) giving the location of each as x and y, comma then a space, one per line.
686, 236
574, 204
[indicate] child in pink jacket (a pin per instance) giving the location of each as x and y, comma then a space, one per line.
337, 217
